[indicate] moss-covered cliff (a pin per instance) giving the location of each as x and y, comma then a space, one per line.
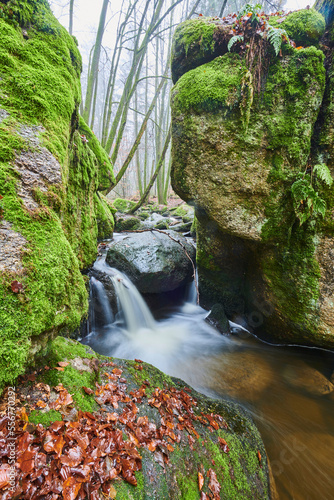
239, 145
49, 178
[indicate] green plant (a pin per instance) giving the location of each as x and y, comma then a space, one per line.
306, 200
276, 36
251, 11
234, 39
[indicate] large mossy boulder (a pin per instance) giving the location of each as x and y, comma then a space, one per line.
154, 261
126, 429
238, 149
51, 167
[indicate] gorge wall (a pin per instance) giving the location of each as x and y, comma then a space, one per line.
253, 152
52, 169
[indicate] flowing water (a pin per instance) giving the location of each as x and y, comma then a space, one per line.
284, 388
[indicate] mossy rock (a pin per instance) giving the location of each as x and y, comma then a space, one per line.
127, 223
123, 205
242, 468
164, 224
196, 42
235, 156
48, 182
304, 27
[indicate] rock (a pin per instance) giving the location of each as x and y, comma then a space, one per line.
235, 160
50, 212
123, 205
153, 261
182, 228
308, 379
127, 223
162, 225
110, 293
243, 375
218, 319
168, 428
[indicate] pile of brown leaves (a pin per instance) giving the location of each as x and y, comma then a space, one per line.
84, 456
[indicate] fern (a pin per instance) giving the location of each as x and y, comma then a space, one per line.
275, 37
319, 205
306, 201
323, 173
234, 39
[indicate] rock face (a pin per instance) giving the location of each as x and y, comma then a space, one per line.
237, 154
155, 437
153, 261
50, 212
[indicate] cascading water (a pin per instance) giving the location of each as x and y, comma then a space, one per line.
99, 303
297, 426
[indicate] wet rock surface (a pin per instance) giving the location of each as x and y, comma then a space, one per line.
11, 245
153, 261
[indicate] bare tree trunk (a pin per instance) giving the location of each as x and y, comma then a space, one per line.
155, 174
93, 70
70, 26
223, 8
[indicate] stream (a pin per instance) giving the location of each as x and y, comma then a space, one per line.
284, 388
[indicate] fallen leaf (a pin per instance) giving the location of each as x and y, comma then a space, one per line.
16, 286
224, 445
200, 481
71, 488
214, 485
112, 492
88, 390
41, 404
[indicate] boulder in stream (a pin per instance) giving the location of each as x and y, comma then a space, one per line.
147, 435
154, 261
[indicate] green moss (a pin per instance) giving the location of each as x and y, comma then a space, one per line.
106, 174
210, 87
305, 27
104, 217
127, 224
195, 31
123, 205
10, 142
40, 85
44, 418
287, 99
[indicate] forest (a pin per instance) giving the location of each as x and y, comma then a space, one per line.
166, 250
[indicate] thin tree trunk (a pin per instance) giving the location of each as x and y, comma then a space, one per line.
223, 8
155, 174
70, 26
93, 71
140, 133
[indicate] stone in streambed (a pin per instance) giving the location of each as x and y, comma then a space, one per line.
308, 379
218, 319
153, 261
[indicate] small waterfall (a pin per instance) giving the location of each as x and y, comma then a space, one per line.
135, 311
99, 303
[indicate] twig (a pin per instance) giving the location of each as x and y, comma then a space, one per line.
181, 244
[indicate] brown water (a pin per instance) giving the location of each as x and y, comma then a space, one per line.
286, 389
296, 423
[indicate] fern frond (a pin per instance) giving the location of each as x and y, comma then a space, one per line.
323, 173
234, 39
319, 205
275, 37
